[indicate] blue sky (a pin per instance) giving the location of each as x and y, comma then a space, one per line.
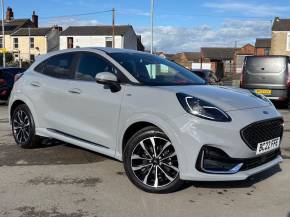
183, 25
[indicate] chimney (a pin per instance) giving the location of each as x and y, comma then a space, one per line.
9, 14
34, 20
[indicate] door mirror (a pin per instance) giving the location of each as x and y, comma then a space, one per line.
106, 78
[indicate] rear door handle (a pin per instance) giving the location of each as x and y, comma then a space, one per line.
75, 91
35, 84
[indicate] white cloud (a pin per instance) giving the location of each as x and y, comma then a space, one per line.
177, 39
70, 21
252, 9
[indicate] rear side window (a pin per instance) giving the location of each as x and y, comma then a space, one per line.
90, 65
59, 66
266, 64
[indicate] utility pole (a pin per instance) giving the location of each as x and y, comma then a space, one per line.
29, 44
152, 25
3, 36
113, 26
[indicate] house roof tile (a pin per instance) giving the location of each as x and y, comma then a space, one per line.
281, 24
263, 43
33, 32
218, 53
12, 25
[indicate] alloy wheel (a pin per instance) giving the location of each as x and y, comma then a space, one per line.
154, 162
21, 126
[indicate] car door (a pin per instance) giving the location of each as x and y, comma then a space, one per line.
48, 85
94, 108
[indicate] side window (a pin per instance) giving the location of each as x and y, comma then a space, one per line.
58, 66
90, 65
40, 67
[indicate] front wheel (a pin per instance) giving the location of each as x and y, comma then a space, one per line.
151, 162
23, 128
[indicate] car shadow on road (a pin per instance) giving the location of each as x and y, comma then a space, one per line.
251, 181
49, 152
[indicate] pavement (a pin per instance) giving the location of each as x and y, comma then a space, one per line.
60, 180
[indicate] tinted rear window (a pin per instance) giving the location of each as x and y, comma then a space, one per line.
266, 64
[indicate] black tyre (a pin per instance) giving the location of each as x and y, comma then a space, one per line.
23, 128
151, 163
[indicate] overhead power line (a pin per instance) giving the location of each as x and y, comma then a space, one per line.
77, 15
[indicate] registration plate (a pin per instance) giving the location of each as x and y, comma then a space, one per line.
263, 91
267, 146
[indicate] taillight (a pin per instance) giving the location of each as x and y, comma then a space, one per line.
17, 77
288, 78
2, 81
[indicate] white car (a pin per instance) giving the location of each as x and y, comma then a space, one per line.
152, 114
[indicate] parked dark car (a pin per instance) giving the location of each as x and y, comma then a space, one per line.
207, 75
7, 76
267, 75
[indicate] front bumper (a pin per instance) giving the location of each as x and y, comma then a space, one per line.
192, 133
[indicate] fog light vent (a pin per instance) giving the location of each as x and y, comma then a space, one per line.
215, 161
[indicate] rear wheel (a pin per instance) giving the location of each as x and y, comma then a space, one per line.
151, 162
23, 128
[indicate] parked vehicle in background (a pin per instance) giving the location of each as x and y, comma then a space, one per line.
154, 115
7, 77
207, 75
267, 75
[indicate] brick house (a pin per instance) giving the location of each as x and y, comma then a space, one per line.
221, 59
29, 43
241, 53
263, 46
187, 58
11, 25
280, 43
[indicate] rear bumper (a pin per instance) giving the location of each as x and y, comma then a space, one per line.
277, 94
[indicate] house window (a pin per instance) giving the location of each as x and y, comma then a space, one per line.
31, 42
32, 58
70, 42
109, 42
1, 42
15, 43
288, 42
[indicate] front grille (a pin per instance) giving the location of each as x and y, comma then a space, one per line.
258, 161
262, 131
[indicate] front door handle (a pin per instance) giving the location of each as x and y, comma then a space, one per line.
75, 91
35, 84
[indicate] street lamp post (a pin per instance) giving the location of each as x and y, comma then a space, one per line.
152, 25
3, 36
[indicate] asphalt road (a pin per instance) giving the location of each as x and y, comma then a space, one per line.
60, 180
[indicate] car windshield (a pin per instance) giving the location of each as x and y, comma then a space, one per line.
155, 71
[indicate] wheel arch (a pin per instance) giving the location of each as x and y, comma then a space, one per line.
139, 122
132, 129
14, 105
20, 101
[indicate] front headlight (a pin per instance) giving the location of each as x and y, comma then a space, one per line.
202, 109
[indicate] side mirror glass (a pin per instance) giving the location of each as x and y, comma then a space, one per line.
106, 78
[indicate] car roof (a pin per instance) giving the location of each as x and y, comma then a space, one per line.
89, 49
115, 50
